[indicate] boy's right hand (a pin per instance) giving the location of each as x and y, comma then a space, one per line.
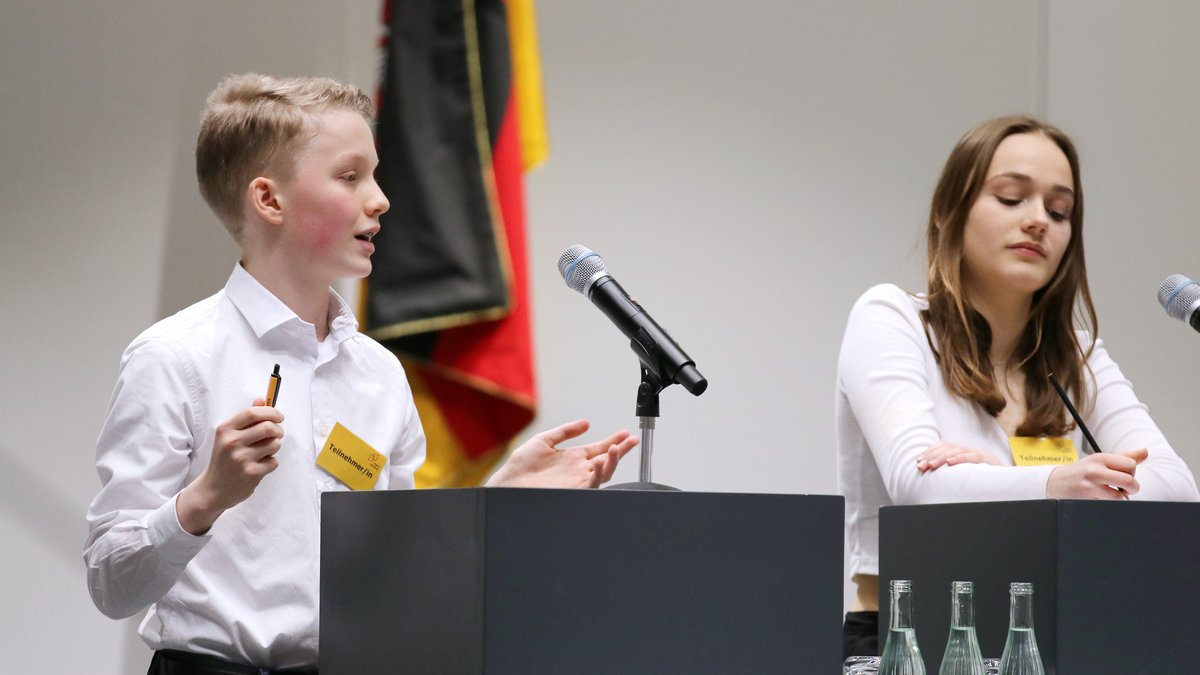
243, 453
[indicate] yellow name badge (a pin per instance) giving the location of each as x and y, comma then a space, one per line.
1029, 451
350, 459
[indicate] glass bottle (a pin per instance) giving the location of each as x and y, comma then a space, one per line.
901, 655
1021, 656
962, 656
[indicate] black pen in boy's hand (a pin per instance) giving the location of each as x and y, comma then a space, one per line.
273, 386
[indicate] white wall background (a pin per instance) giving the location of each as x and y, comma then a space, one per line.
746, 171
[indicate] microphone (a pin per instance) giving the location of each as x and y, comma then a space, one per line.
1180, 296
584, 271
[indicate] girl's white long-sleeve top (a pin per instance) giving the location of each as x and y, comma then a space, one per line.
892, 404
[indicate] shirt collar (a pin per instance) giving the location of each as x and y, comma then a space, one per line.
265, 312
342, 323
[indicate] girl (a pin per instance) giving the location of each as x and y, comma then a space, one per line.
945, 396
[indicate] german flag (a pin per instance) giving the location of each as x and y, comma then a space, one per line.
460, 120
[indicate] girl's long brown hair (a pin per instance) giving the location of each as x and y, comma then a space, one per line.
1049, 343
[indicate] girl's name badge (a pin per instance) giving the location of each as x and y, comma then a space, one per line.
1030, 451
350, 459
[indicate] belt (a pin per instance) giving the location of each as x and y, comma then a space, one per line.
175, 662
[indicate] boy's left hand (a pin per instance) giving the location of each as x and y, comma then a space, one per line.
538, 462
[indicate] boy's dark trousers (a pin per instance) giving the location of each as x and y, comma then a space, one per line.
174, 662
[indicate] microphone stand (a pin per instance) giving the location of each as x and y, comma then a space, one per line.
647, 412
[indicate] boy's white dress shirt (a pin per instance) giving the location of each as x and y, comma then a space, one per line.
248, 589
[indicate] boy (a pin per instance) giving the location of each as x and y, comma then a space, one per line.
208, 512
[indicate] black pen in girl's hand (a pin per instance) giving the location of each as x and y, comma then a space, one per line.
1074, 413
1062, 393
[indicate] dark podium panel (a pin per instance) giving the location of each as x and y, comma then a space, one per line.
579, 581
1116, 584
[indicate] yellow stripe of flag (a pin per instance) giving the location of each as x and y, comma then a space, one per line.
527, 76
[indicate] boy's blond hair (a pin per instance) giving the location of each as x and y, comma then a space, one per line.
255, 125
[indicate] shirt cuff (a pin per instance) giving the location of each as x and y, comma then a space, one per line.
1045, 470
175, 545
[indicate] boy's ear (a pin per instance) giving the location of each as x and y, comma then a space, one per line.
264, 199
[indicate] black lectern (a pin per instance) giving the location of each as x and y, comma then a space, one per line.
1116, 584
579, 581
